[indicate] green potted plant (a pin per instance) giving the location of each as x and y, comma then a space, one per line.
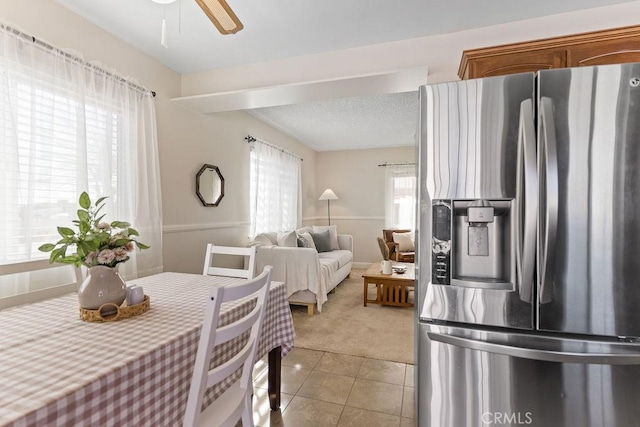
99, 246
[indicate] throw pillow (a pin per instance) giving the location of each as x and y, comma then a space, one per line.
288, 239
306, 229
333, 234
404, 241
308, 240
301, 242
322, 241
265, 239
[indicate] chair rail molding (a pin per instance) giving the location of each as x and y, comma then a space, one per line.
344, 218
185, 228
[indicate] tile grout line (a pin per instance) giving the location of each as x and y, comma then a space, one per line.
348, 395
404, 386
316, 364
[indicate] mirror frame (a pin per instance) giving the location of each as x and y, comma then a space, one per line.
217, 171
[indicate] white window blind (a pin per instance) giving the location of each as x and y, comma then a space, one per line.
275, 189
43, 163
66, 127
400, 197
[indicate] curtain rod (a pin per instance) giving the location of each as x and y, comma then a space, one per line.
75, 58
251, 139
385, 164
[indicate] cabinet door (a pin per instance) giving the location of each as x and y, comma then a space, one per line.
613, 46
510, 63
617, 51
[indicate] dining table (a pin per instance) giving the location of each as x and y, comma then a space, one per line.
58, 370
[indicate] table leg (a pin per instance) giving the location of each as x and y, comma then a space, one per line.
275, 359
366, 291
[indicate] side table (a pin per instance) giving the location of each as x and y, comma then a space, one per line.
391, 289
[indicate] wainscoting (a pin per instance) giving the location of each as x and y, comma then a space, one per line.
184, 245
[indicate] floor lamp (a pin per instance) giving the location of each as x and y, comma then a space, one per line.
328, 195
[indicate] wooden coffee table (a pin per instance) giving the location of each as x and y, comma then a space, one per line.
391, 289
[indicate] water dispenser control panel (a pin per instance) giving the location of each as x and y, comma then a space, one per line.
471, 244
441, 242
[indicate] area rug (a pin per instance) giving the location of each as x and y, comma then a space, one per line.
345, 326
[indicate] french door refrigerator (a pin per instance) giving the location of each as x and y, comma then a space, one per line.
529, 250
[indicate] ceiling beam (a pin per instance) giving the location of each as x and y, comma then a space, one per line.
407, 80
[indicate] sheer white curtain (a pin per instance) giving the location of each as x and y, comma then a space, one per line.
400, 197
275, 189
66, 127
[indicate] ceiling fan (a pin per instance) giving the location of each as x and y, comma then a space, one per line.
219, 13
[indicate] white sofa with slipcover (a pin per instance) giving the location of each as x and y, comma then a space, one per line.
309, 272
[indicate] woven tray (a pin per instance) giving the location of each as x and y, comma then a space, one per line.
106, 311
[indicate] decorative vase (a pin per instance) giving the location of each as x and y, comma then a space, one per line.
102, 285
386, 267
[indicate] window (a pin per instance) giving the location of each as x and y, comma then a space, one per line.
66, 127
44, 164
275, 189
400, 197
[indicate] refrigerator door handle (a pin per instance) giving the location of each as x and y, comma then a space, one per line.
526, 202
538, 353
548, 185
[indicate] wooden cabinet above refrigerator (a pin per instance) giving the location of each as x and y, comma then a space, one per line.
614, 46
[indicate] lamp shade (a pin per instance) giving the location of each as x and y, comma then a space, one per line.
328, 195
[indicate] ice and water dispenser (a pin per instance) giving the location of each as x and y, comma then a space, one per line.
472, 243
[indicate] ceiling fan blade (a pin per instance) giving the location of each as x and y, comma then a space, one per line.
221, 15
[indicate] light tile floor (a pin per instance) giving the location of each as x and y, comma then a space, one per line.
330, 389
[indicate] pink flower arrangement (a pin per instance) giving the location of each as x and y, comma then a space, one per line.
96, 242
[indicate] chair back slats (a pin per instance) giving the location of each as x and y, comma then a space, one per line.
221, 372
237, 328
237, 291
228, 272
212, 336
233, 250
213, 250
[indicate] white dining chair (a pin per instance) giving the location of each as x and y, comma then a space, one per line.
213, 250
235, 402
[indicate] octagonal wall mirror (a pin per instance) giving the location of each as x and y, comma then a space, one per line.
209, 185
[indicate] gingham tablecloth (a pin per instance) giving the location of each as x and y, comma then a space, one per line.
56, 370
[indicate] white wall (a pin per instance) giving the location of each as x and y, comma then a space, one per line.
216, 139
186, 139
359, 182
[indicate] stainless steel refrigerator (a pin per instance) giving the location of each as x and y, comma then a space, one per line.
529, 250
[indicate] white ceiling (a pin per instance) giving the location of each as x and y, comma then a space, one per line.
348, 123
276, 29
